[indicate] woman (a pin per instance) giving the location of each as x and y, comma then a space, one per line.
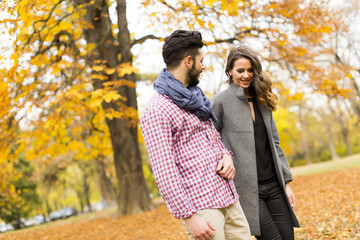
247, 128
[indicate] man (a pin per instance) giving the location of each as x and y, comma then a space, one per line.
192, 168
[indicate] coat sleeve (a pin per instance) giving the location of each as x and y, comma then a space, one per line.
283, 160
216, 105
218, 110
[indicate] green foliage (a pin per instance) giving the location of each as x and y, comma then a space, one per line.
27, 199
297, 159
356, 149
341, 150
324, 154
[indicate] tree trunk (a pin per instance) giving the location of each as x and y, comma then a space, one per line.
306, 147
355, 104
79, 195
343, 121
133, 193
107, 190
332, 148
345, 134
356, 107
86, 191
17, 223
313, 150
46, 200
303, 137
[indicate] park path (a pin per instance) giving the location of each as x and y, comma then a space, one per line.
328, 207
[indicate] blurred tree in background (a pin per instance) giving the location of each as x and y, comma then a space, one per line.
27, 198
71, 81
308, 47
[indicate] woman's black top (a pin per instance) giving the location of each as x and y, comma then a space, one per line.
264, 161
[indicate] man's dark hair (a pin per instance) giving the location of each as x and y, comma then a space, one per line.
179, 44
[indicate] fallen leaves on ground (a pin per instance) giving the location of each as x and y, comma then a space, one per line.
157, 224
328, 207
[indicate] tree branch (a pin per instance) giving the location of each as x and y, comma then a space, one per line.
143, 39
238, 35
228, 40
49, 30
93, 127
42, 20
52, 10
169, 6
56, 42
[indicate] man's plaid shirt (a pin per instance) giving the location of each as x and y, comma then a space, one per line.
184, 152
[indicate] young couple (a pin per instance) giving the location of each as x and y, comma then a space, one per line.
195, 168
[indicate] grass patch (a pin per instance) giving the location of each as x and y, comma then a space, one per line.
328, 166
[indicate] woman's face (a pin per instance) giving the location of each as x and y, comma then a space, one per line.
242, 72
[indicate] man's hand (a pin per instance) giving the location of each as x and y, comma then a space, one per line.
199, 228
226, 167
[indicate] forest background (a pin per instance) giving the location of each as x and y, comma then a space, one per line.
76, 74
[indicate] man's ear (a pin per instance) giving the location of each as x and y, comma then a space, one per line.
189, 61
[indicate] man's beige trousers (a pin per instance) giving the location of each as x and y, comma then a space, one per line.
230, 223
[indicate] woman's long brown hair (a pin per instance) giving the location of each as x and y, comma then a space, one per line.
261, 82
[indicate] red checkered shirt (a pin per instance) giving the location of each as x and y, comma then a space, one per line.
184, 152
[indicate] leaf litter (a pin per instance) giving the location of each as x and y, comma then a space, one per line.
327, 206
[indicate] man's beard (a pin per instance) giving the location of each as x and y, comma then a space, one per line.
193, 76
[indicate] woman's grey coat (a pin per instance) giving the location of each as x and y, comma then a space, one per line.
237, 132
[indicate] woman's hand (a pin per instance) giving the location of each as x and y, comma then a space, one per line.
226, 167
290, 195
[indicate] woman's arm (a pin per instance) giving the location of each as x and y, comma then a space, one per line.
216, 105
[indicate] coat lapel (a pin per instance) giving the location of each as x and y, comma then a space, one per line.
239, 92
266, 115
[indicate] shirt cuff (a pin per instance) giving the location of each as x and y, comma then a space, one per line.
185, 215
228, 153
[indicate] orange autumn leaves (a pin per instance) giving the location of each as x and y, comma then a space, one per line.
328, 207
